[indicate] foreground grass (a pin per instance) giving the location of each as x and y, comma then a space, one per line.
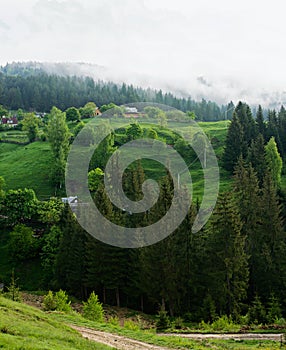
23, 327
175, 342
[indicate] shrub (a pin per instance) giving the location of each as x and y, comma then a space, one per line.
58, 302
13, 291
280, 322
178, 323
114, 321
163, 321
132, 326
62, 301
49, 302
92, 309
209, 309
205, 326
256, 312
225, 323
274, 310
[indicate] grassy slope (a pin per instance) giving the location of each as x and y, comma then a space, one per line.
29, 166
23, 327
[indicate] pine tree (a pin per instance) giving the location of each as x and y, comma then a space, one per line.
282, 130
271, 264
234, 145
77, 266
260, 123
106, 265
247, 197
229, 261
247, 122
256, 156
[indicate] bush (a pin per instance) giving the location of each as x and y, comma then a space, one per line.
274, 310
205, 326
163, 321
114, 321
132, 326
62, 301
58, 302
92, 309
43, 137
178, 323
256, 312
225, 323
13, 291
280, 322
49, 302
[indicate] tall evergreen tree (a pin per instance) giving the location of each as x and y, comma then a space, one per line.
234, 145
106, 265
58, 136
228, 260
271, 262
247, 122
247, 196
260, 123
256, 156
282, 130
273, 161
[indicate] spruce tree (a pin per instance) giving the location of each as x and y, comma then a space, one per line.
70, 258
106, 264
228, 258
282, 130
234, 145
271, 267
256, 156
260, 123
247, 197
247, 122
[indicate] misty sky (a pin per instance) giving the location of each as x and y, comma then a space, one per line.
218, 49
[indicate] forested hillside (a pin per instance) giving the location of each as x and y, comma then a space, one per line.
235, 266
34, 89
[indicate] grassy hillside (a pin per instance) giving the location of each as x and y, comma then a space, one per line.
29, 165
23, 327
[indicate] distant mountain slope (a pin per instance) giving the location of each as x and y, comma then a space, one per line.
61, 69
40, 86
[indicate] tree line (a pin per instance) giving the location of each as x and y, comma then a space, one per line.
42, 91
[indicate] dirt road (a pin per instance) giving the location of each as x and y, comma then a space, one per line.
116, 341
240, 336
123, 343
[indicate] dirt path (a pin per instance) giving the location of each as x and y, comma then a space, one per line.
121, 342
238, 336
116, 341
